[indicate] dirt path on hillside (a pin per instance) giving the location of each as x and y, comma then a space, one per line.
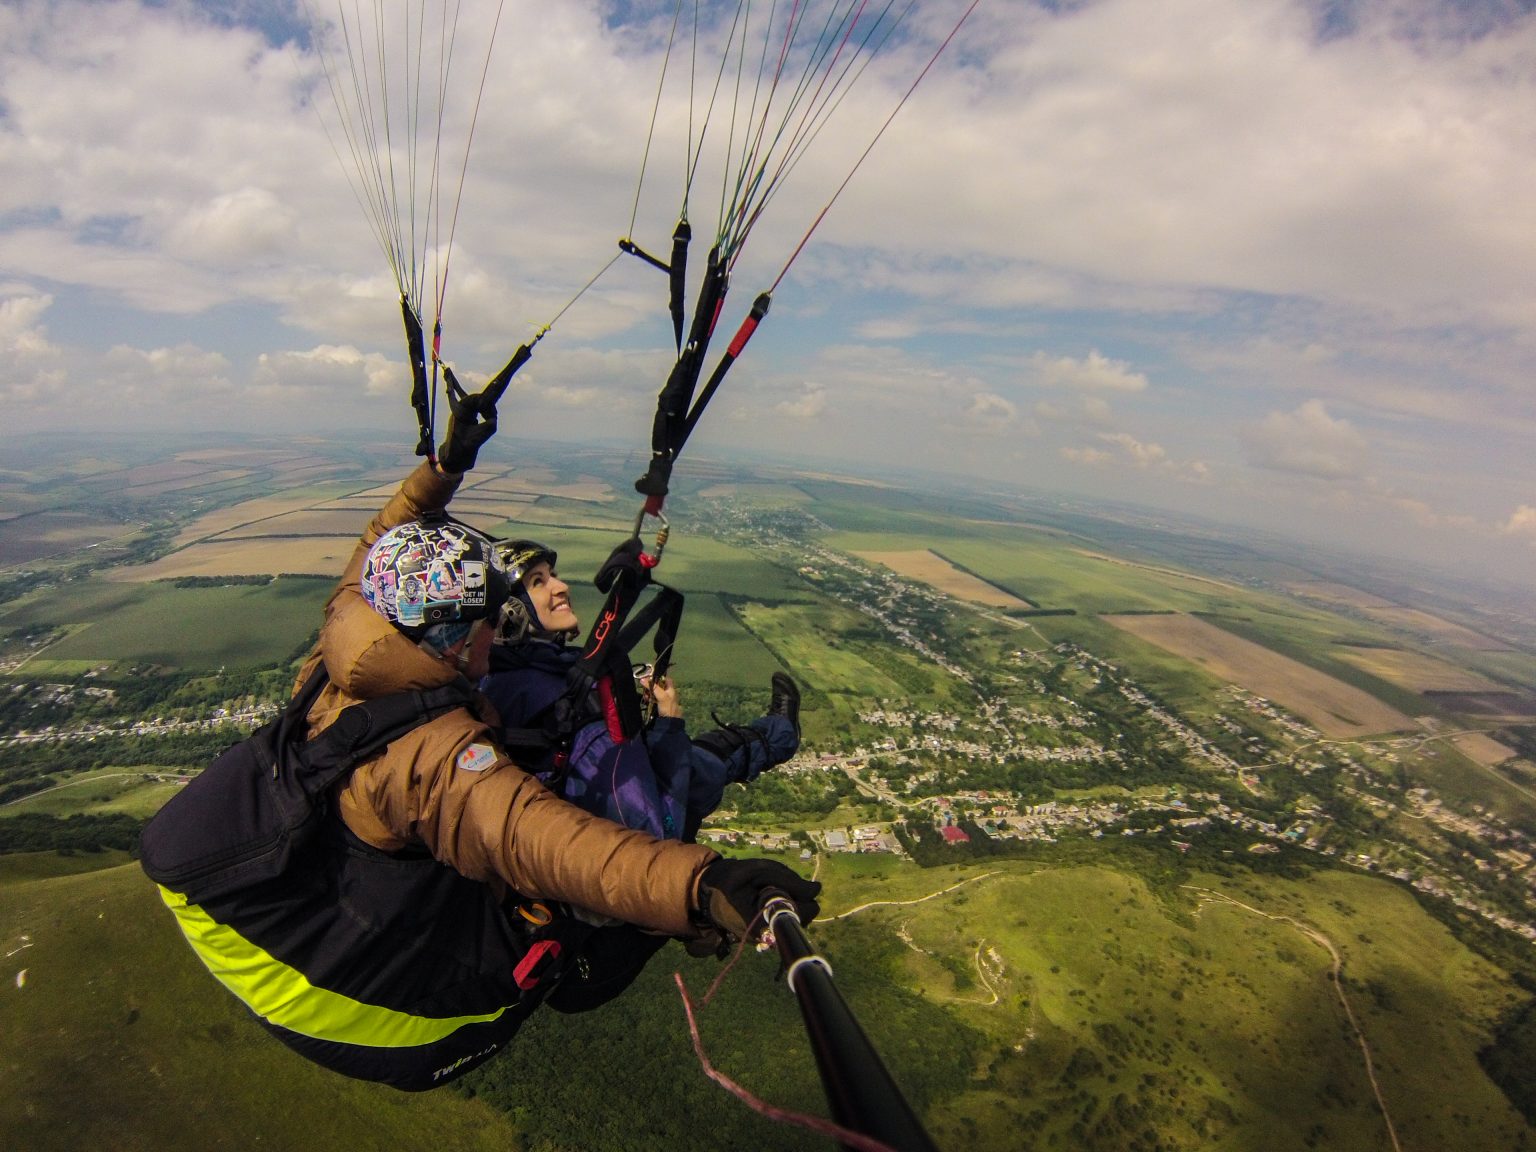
918, 900
1336, 974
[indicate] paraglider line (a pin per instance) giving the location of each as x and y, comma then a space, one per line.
870, 148
650, 132
468, 143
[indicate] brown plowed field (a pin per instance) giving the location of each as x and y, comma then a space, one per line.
1332, 707
939, 573
316, 555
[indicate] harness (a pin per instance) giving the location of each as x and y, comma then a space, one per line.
385, 966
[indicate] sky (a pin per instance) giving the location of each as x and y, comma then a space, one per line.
1269, 262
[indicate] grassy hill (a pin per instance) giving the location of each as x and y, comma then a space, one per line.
113, 1036
1021, 1005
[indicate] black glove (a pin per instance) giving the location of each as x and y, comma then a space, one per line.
471, 422
731, 893
624, 558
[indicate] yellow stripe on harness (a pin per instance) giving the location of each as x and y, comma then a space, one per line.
282, 995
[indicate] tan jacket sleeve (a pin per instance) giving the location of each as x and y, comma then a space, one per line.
424, 490
450, 788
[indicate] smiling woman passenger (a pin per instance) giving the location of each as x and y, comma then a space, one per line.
662, 782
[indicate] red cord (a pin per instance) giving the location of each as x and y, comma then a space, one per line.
845, 1136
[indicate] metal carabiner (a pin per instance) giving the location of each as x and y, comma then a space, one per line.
651, 559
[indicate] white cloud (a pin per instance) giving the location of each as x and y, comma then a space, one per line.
330, 371
181, 367
1308, 442
1227, 145
990, 409
1521, 522
31, 367
21, 333
1086, 410
1143, 455
1208, 194
1083, 455
1140, 455
1095, 373
810, 404
248, 225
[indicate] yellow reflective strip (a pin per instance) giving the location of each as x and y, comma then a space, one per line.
285, 997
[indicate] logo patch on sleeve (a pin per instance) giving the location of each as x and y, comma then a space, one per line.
476, 758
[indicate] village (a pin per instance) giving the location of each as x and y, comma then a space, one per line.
1178, 814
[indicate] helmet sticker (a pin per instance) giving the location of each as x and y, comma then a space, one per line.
451, 542
410, 604
443, 581
472, 592
383, 586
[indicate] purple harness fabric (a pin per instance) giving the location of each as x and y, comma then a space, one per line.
620, 781
642, 783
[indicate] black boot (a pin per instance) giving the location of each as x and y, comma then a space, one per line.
785, 701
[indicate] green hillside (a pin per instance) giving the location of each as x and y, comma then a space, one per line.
113, 1036
1021, 1005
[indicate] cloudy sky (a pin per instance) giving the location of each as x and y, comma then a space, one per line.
1267, 261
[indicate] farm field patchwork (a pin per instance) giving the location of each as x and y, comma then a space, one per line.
1336, 593
25, 538
1414, 670
313, 555
1444, 631
247, 512
241, 626
937, 572
1482, 749
1049, 572
1090, 986
1336, 709
306, 522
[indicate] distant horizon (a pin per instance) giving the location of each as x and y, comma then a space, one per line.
1338, 561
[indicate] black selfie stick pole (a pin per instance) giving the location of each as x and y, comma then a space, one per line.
860, 1092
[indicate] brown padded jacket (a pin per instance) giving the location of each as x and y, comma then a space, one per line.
449, 786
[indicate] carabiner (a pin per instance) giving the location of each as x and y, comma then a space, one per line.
651, 559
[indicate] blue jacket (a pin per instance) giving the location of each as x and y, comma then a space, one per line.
642, 783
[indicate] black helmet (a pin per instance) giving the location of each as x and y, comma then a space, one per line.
434, 571
519, 621
517, 556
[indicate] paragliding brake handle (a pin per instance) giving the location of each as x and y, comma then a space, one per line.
652, 510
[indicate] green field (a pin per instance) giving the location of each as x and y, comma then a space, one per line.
712, 647
104, 790
1107, 993
1113, 1009
242, 626
809, 636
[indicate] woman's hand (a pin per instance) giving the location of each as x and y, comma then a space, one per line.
663, 692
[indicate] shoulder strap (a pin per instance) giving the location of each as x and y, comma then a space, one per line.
362, 729
292, 723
